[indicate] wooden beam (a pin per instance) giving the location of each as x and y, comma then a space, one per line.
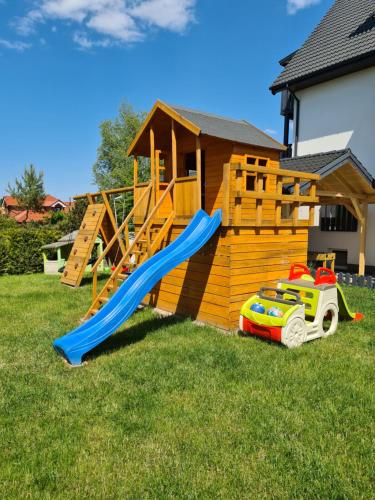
198, 153
358, 211
342, 181
350, 209
152, 157
287, 198
258, 202
113, 220
174, 150
238, 200
157, 172
279, 171
226, 194
362, 241
335, 194
135, 171
108, 192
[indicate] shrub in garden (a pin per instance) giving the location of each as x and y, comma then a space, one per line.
21, 248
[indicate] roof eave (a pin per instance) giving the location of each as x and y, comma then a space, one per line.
169, 111
355, 64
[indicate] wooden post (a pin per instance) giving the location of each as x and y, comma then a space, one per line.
198, 152
238, 200
297, 191
174, 161
311, 215
279, 191
259, 202
152, 157
135, 171
362, 240
157, 171
174, 151
226, 194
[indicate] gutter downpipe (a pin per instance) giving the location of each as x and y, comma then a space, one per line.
296, 129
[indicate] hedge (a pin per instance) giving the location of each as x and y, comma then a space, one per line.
20, 249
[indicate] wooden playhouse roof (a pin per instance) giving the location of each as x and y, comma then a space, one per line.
200, 123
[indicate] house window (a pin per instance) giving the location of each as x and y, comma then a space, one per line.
337, 218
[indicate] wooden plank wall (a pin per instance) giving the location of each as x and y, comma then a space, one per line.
199, 287
213, 284
259, 258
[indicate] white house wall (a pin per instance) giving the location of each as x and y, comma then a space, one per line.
340, 114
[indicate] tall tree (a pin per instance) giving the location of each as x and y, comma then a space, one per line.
29, 190
113, 168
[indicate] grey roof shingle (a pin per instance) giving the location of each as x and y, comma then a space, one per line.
226, 128
341, 37
325, 163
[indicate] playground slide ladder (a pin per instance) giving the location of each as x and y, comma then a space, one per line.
83, 245
146, 242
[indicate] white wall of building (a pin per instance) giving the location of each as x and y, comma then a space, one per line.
335, 115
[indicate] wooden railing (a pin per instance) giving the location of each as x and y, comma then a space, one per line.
255, 196
151, 248
186, 196
122, 234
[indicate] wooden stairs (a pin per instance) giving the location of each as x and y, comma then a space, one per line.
146, 243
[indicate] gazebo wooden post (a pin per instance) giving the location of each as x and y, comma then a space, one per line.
362, 240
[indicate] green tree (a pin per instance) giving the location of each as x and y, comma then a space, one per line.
29, 190
113, 168
72, 220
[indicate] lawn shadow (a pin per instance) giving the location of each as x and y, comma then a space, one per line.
136, 333
87, 279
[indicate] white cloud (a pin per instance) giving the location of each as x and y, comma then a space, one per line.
122, 21
293, 6
169, 14
86, 43
17, 45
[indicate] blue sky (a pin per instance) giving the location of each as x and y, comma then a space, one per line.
67, 64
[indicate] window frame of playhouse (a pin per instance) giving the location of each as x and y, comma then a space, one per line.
259, 161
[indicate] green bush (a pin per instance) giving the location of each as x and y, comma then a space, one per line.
20, 248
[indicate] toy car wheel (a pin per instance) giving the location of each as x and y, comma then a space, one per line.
329, 320
294, 333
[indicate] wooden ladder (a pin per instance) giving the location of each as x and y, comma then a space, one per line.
83, 245
146, 242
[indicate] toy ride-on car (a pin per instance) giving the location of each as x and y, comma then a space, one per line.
300, 309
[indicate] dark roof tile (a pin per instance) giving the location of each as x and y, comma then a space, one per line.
333, 43
233, 130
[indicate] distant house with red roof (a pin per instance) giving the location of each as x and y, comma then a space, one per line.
11, 209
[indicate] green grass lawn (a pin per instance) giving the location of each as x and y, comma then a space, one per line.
169, 409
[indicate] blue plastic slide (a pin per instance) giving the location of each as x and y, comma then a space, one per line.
126, 299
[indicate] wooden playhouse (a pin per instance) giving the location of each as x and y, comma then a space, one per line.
203, 161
